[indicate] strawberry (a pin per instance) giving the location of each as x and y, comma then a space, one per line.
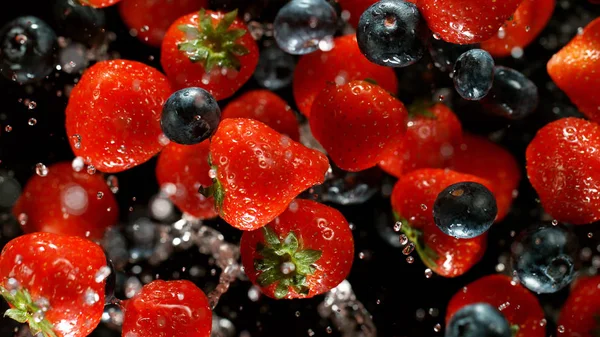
355, 8
576, 70
357, 123
66, 202
466, 21
151, 18
98, 3
113, 114
432, 134
526, 24
259, 172
520, 308
342, 64
266, 107
54, 282
211, 50
580, 315
168, 308
306, 251
413, 197
186, 168
564, 169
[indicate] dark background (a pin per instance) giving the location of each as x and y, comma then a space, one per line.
396, 293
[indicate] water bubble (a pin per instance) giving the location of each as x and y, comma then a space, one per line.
410, 259
408, 249
100, 195
90, 297
32, 121
403, 239
102, 274
41, 170
254, 293
560, 329
8, 128
77, 164
428, 273
437, 327
398, 226
554, 222
91, 169
32, 105
424, 207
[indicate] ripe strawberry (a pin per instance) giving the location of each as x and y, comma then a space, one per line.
113, 115
266, 107
525, 25
516, 303
342, 64
580, 315
98, 3
168, 308
576, 70
432, 134
357, 123
356, 7
466, 21
54, 282
186, 168
259, 172
211, 50
306, 251
152, 18
66, 202
413, 197
564, 169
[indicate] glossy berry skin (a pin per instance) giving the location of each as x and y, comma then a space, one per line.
49, 269
168, 308
473, 74
275, 68
512, 96
579, 315
444, 54
356, 7
152, 18
478, 320
113, 114
190, 116
27, 47
266, 107
187, 168
81, 23
342, 64
220, 73
66, 202
564, 171
98, 3
392, 33
465, 210
576, 70
520, 307
357, 124
316, 237
259, 172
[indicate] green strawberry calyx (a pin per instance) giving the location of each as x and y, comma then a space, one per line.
213, 46
426, 253
285, 263
215, 190
25, 310
421, 108
514, 330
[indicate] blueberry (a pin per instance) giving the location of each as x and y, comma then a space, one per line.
392, 33
190, 116
543, 258
473, 74
27, 49
512, 96
275, 68
302, 25
78, 22
465, 210
478, 320
445, 54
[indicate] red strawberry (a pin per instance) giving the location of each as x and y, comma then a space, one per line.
259, 172
466, 21
98, 3
54, 282
520, 308
168, 308
580, 315
113, 115
186, 168
432, 134
576, 70
355, 8
342, 64
266, 107
211, 50
357, 123
306, 251
413, 197
526, 24
152, 18
67, 202
564, 169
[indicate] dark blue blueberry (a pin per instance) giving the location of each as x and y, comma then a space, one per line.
445, 54
27, 46
80, 23
512, 96
392, 33
465, 210
190, 116
275, 68
543, 259
302, 25
473, 74
478, 320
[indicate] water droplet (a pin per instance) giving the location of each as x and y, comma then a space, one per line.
543, 322
410, 259
398, 226
32, 105
560, 329
437, 327
77, 164
90, 297
22, 218
76, 141
403, 239
428, 273
113, 183
102, 274
41, 170
408, 249
424, 207
8, 128
38, 316
554, 222
32, 121
590, 235
91, 169
212, 173
12, 284
100, 194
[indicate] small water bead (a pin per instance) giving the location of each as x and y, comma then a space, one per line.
408, 249
91, 169
437, 327
398, 226
38, 316
560, 329
113, 183
77, 164
329, 329
8, 128
32, 121
590, 235
102, 274
403, 239
100, 195
428, 273
41, 170
410, 259
76, 141
90, 297
32, 105
22, 218
12, 284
